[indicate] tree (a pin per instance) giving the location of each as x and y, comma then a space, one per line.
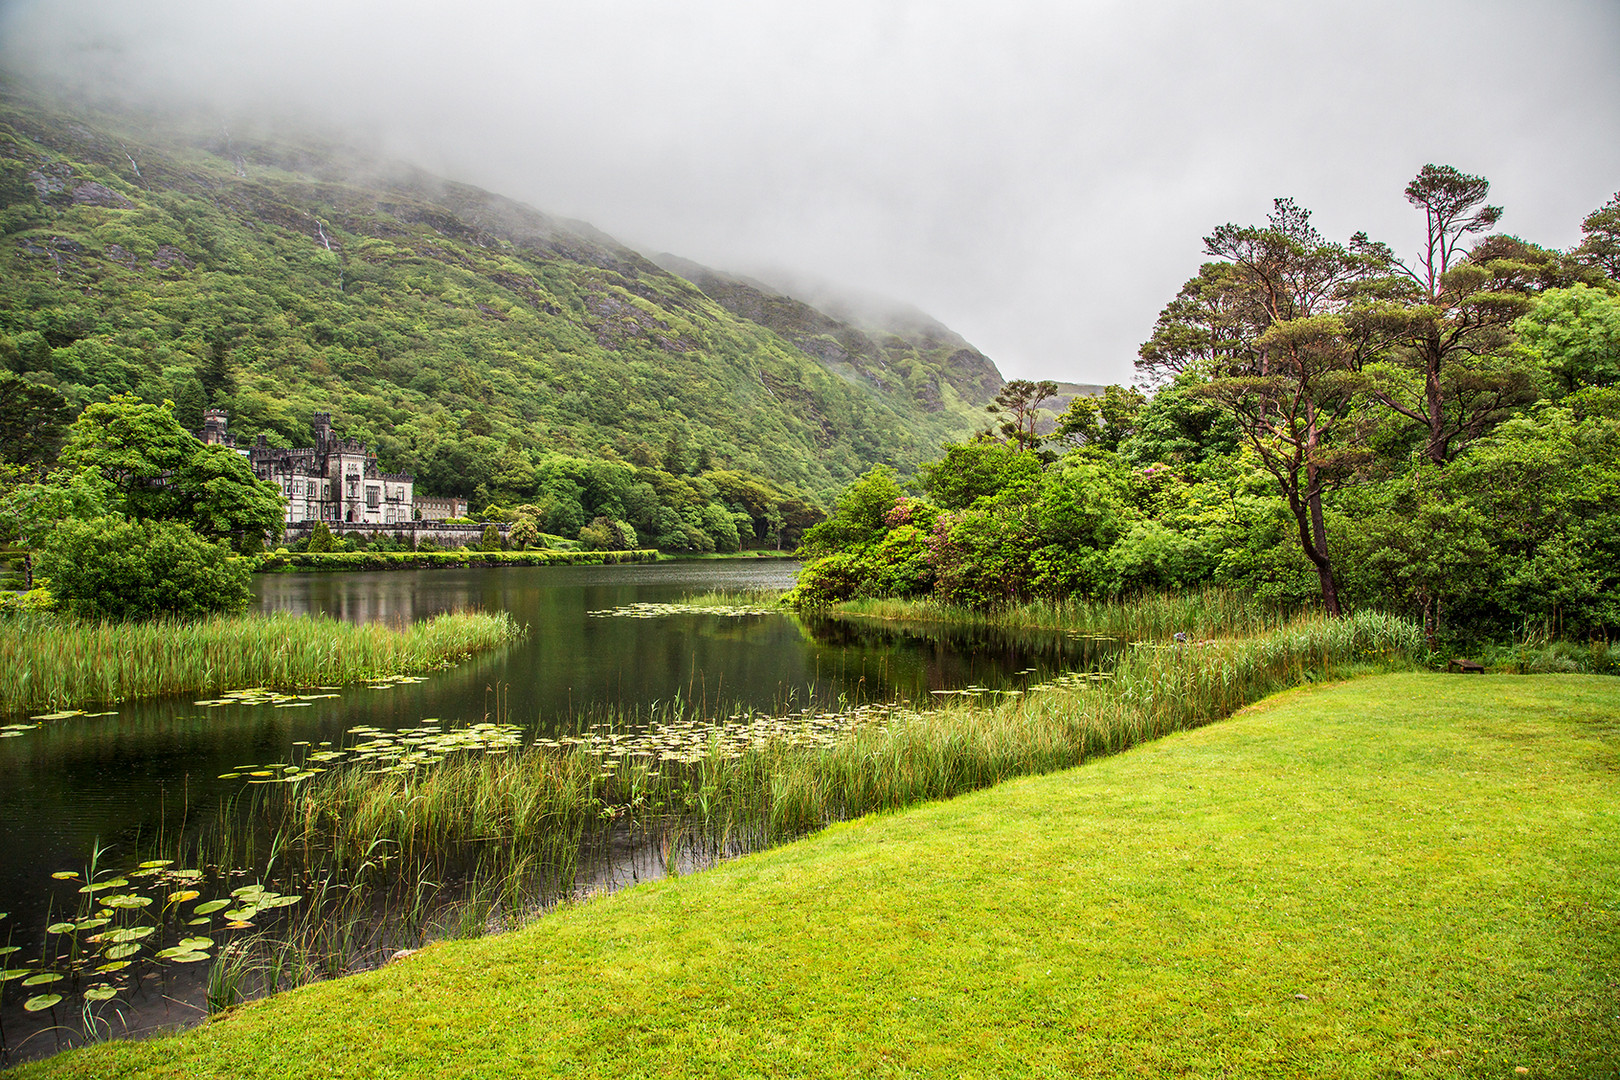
1018, 408
1600, 243
524, 534
1450, 373
1574, 337
1102, 422
161, 472
320, 538
33, 421
110, 567
491, 540
1291, 328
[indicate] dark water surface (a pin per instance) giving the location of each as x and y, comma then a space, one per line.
120, 780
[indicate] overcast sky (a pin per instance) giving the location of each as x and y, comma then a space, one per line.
1036, 175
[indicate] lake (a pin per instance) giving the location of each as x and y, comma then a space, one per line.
156, 766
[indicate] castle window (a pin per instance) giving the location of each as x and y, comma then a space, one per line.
373, 496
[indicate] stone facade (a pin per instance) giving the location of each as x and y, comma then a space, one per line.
433, 508
336, 481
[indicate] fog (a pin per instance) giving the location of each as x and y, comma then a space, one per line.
1035, 175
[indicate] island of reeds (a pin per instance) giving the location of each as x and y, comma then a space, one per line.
54, 661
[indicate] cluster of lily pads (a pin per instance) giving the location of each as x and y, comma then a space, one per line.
117, 920
387, 751
689, 741
654, 611
13, 731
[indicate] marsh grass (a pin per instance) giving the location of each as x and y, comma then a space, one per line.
524, 824
51, 661
1205, 613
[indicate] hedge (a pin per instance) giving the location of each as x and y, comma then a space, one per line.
283, 562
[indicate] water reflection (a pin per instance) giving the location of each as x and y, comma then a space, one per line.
155, 766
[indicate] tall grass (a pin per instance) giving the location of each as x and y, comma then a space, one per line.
1205, 613
54, 662
540, 812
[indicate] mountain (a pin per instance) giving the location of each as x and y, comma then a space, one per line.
467, 336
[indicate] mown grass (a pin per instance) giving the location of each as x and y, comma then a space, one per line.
1411, 874
1203, 613
55, 662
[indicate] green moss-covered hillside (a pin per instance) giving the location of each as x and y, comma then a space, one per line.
465, 335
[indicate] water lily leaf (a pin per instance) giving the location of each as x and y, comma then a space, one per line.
118, 952
7, 950
188, 957
230, 775
151, 864
133, 933
248, 891
42, 979
116, 965
186, 875
241, 914
204, 921
41, 1002
91, 924
271, 902
210, 907
97, 886
183, 895
100, 993
126, 901
61, 928
176, 952
65, 875
14, 973
239, 925
63, 715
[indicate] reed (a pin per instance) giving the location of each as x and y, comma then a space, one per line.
542, 812
50, 661
1203, 613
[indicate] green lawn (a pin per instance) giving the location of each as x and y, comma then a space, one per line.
1402, 875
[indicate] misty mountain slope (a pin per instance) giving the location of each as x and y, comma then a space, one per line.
465, 334
907, 354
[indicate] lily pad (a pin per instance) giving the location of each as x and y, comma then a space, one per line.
44, 978
100, 993
119, 952
182, 896
14, 973
132, 933
41, 1002
127, 901
98, 886
210, 907
116, 965
65, 875
61, 928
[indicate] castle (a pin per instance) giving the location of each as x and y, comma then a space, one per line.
336, 480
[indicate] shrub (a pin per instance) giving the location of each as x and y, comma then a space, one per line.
524, 534
320, 538
108, 567
492, 538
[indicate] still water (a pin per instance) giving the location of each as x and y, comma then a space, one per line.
120, 780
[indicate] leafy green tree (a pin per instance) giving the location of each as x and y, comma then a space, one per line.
33, 421
1574, 337
111, 567
858, 517
491, 540
1102, 422
524, 533
159, 471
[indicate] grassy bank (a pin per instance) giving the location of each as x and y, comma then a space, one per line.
1413, 874
56, 662
433, 560
1204, 613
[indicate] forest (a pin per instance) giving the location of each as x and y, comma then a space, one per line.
1329, 424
